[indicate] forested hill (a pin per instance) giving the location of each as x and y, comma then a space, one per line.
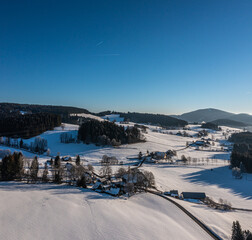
108, 133
28, 125
14, 109
229, 123
156, 119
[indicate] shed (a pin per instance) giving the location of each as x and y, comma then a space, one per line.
193, 195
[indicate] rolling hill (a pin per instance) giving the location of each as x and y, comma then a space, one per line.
217, 116
156, 119
207, 115
229, 123
242, 117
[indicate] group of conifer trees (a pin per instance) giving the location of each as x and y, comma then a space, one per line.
242, 155
15, 168
239, 234
28, 125
107, 133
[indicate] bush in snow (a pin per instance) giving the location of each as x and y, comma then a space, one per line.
39, 145
120, 172
106, 160
150, 178
82, 182
184, 159
236, 172
67, 138
106, 171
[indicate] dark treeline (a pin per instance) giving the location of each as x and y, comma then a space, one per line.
11, 167
7, 108
14, 109
242, 156
156, 119
210, 125
107, 133
229, 123
28, 125
242, 137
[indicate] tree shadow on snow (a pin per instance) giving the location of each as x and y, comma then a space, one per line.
53, 189
222, 177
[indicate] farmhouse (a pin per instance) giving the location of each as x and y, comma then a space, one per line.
193, 195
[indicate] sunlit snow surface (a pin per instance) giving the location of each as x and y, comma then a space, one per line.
81, 214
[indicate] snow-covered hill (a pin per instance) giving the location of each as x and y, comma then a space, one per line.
50, 211
144, 215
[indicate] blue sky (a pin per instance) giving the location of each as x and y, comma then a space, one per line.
148, 56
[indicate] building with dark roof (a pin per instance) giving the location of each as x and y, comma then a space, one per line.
193, 195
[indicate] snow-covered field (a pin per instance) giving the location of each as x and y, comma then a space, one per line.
81, 214
50, 211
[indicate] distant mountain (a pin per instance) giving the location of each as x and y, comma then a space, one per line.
229, 123
222, 118
242, 117
207, 115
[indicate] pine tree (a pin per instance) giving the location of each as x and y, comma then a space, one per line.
247, 235
19, 165
45, 173
21, 143
34, 169
58, 175
237, 233
82, 182
57, 161
77, 160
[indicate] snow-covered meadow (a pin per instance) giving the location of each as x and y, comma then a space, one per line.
68, 212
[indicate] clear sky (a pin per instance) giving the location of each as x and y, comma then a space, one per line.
141, 55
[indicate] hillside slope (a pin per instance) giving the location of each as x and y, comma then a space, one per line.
221, 117
50, 211
207, 115
242, 117
155, 119
229, 123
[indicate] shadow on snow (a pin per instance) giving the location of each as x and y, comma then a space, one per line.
222, 177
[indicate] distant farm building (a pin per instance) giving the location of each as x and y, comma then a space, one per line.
163, 155
174, 193
201, 143
113, 118
193, 195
